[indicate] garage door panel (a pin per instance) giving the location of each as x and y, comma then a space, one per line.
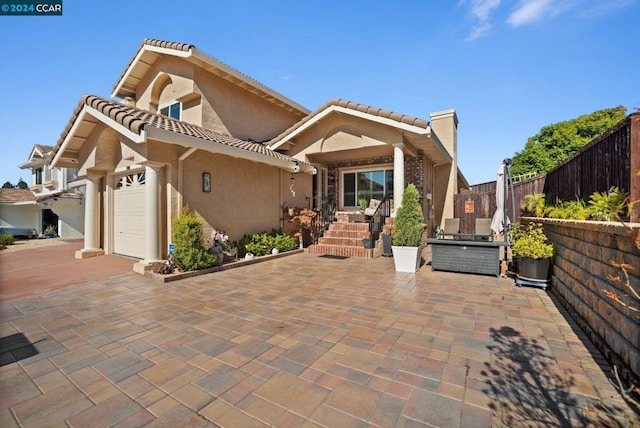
129, 221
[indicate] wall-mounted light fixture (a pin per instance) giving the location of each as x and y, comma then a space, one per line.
206, 182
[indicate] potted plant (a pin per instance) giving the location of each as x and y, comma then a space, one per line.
50, 231
533, 251
407, 248
363, 201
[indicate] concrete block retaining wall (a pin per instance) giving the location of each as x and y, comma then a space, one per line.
582, 270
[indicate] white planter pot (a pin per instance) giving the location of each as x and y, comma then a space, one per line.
407, 259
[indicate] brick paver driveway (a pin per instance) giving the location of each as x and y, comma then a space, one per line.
301, 341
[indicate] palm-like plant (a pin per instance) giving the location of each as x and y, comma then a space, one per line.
535, 204
611, 205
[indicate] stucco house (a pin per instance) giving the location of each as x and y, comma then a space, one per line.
191, 131
50, 200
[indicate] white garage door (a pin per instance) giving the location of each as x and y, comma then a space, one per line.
128, 216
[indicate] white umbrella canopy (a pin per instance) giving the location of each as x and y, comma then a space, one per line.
498, 221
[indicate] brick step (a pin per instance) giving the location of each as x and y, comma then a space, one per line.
349, 226
342, 241
337, 250
352, 234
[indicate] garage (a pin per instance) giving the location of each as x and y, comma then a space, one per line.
129, 216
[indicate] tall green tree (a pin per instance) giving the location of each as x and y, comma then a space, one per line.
22, 184
8, 185
555, 143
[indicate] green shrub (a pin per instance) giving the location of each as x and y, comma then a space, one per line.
531, 242
190, 253
409, 218
284, 242
261, 244
6, 239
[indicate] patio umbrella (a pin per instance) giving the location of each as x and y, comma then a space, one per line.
498, 222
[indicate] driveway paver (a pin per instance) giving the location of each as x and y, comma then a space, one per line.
302, 341
38, 265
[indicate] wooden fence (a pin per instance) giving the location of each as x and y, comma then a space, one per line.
611, 160
473, 204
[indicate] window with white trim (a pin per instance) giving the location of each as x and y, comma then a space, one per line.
369, 183
173, 110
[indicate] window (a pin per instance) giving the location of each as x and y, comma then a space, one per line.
366, 184
172, 110
38, 174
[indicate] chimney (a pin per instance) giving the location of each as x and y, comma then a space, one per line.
444, 124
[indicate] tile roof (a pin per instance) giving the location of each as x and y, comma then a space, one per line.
61, 194
16, 195
43, 148
152, 42
211, 64
409, 120
136, 120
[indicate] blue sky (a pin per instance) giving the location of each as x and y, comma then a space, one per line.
508, 67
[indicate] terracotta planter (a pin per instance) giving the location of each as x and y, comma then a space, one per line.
407, 259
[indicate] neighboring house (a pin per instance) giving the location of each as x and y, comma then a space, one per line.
192, 131
49, 201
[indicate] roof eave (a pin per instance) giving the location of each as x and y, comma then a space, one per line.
203, 56
90, 111
212, 147
32, 163
118, 90
441, 148
355, 113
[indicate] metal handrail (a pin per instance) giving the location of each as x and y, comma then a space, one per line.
324, 217
379, 217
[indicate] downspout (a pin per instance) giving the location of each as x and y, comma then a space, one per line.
181, 160
280, 198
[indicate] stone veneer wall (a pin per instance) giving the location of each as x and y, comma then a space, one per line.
581, 271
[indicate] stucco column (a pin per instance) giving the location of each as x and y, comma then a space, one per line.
91, 224
152, 210
90, 214
398, 176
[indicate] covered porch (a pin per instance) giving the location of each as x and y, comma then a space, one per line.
363, 154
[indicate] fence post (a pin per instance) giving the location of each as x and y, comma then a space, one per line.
634, 180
